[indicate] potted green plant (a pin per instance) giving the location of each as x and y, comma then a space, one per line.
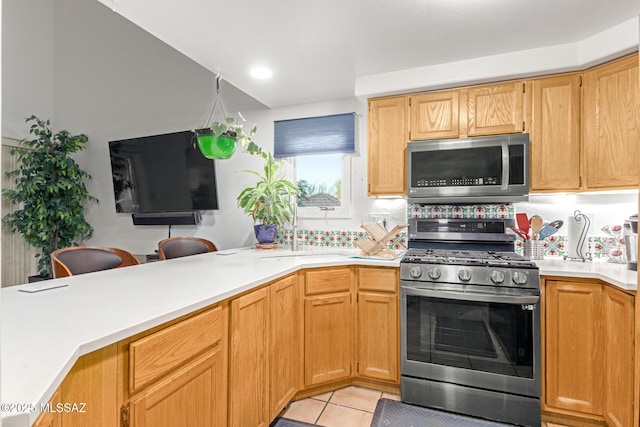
269, 202
221, 139
50, 192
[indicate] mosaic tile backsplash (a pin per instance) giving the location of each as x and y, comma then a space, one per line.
554, 246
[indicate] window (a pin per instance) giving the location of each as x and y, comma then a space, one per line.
320, 148
324, 185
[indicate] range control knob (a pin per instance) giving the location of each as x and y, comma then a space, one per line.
519, 278
415, 272
464, 275
497, 276
434, 273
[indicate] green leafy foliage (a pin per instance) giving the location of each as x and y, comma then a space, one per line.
234, 130
50, 192
269, 202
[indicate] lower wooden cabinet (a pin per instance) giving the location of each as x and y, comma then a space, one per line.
378, 338
189, 397
589, 351
264, 360
241, 361
248, 360
51, 418
328, 338
574, 350
619, 357
176, 375
286, 344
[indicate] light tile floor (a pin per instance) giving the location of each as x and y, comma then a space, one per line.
347, 407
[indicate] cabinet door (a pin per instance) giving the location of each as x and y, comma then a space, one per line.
612, 124
248, 364
495, 109
286, 343
619, 355
328, 321
190, 397
574, 346
555, 133
388, 136
435, 115
378, 336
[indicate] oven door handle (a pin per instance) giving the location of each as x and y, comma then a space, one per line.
473, 296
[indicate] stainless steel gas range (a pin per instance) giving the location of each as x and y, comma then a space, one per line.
470, 321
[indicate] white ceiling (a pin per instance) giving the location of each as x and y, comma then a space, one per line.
317, 49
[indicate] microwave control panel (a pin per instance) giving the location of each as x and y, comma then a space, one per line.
458, 182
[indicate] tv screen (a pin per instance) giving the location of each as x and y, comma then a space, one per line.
162, 173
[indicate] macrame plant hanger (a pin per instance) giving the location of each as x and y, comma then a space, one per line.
214, 144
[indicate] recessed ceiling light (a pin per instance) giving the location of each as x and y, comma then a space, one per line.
261, 73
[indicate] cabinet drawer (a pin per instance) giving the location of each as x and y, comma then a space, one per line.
378, 279
327, 281
165, 350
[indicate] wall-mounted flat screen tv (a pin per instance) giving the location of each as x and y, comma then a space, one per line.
162, 173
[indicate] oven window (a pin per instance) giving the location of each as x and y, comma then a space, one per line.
480, 336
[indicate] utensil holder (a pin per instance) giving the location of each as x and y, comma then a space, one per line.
534, 249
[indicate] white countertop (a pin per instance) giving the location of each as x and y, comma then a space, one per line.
43, 334
616, 274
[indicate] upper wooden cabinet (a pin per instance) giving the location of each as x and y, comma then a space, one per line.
495, 109
555, 133
435, 115
388, 123
475, 111
612, 124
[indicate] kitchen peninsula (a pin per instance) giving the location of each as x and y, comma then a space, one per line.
44, 334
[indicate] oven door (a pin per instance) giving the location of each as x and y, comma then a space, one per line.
473, 336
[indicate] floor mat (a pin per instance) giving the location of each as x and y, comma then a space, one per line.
391, 413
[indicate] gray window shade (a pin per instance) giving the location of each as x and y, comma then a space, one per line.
315, 135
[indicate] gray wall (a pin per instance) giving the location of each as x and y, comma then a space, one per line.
27, 61
109, 79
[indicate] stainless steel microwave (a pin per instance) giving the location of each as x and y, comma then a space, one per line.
491, 169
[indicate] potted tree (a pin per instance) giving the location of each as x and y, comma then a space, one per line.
50, 192
269, 201
221, 139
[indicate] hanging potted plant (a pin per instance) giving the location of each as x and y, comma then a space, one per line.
50, 192
219, 141
269, 202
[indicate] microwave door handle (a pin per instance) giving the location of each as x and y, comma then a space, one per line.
476, 297
505, 166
